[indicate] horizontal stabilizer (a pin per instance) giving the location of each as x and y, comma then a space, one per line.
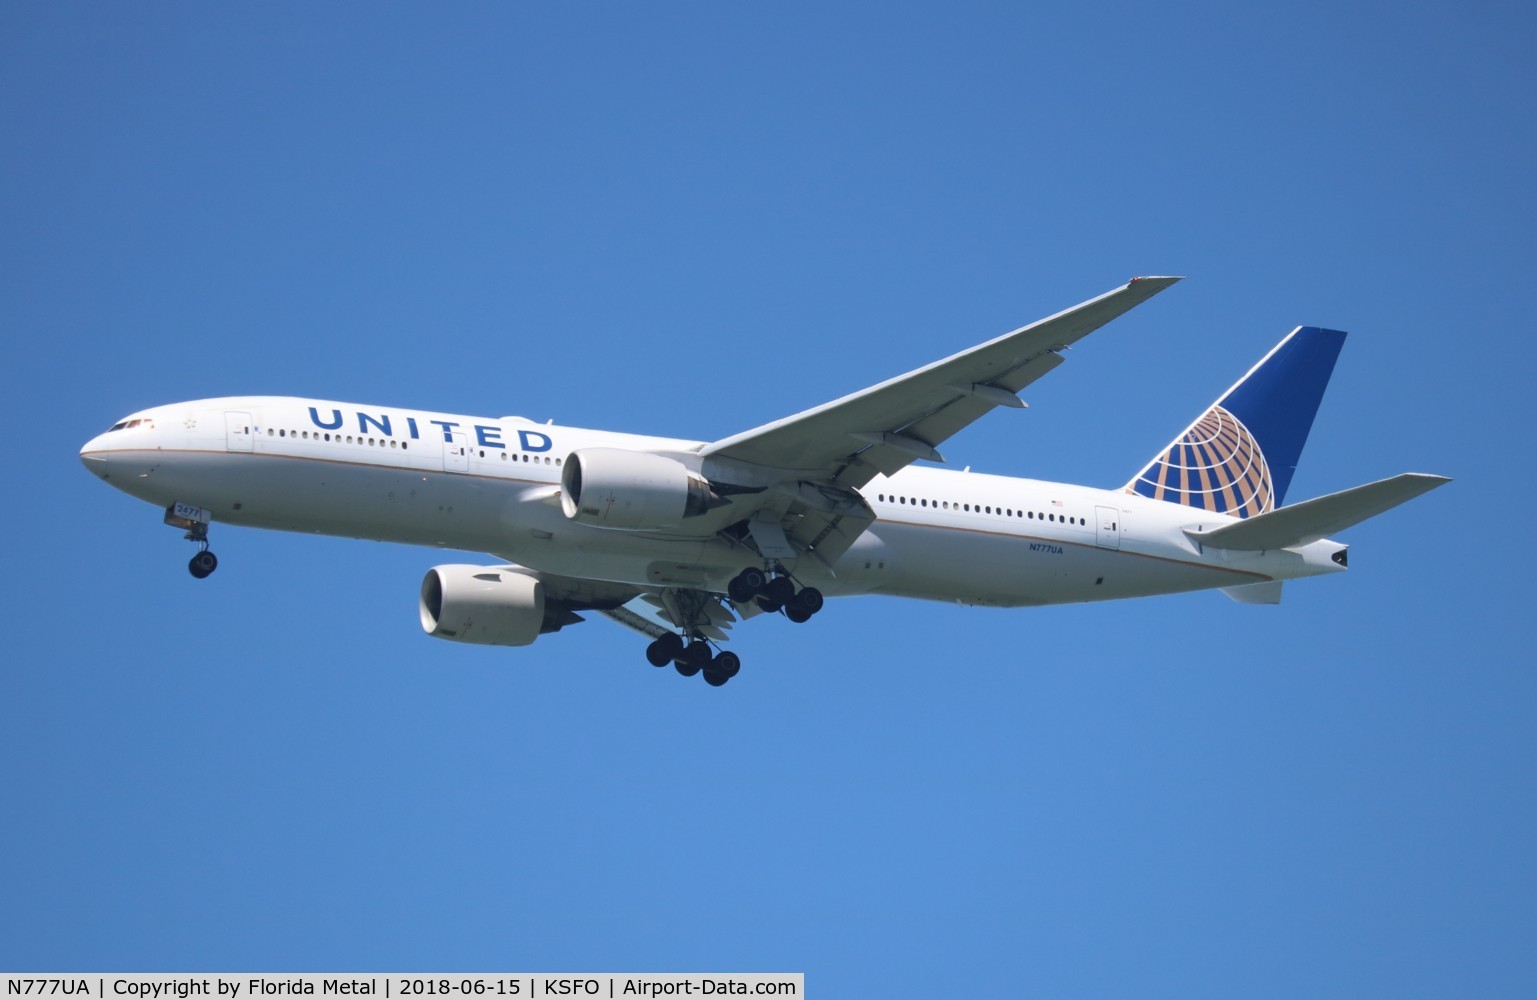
1311, 520
1255, 593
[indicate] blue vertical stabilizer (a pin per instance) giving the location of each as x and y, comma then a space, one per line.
1239, 456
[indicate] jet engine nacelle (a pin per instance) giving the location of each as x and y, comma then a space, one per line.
485, 605
613, 488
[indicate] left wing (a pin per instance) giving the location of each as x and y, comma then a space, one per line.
879, 430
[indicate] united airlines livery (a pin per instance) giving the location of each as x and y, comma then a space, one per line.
681, 539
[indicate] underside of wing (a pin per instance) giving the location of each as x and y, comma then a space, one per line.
882, 429
668, 609
564, 596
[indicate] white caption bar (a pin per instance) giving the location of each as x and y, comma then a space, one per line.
400, 986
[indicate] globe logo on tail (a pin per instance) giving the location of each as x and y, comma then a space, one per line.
1216, 465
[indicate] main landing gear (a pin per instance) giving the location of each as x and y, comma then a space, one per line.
774, 594
694, 657
694, 654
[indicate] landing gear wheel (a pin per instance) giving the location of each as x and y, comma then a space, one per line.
728, 663
746, 585
780, 590
803, 605
721, 669
694, 658
202, 564
664, 650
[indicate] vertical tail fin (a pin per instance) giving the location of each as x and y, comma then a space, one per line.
1238, 457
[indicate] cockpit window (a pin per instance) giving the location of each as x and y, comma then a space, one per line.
122, 425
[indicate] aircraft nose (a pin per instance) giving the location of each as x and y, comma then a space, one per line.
94, 457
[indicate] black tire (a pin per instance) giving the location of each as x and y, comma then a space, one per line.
664, 650
810, 600
727, 664
753, 578
797, 614
694, 658
714, 677
738, 591
780, 590
203, 564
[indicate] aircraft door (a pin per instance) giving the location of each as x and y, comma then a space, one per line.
237, 431
456, 453
1107, 531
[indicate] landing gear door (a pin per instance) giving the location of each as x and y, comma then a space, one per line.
237, 431
456, 453
1107, 532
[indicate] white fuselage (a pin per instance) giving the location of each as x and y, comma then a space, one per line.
491, 485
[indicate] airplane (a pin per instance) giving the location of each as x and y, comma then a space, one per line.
679, 540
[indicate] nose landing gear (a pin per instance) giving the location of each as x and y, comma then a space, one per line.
195, 521
203, 563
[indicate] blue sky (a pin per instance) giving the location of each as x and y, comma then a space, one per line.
688, 220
